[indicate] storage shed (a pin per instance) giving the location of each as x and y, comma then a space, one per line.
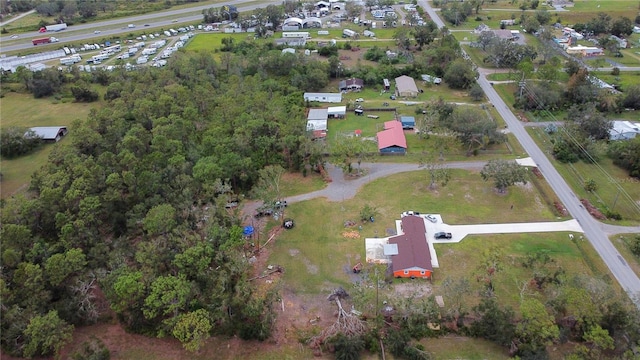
406, 86
408, 122
50, 133
337, 111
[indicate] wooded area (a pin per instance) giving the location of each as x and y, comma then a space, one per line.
133, 208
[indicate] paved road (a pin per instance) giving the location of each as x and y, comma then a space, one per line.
340, 189
593, 229
108, 28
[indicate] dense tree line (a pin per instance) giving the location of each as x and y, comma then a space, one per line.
553, 308
134, 205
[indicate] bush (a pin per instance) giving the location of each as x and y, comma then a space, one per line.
13, 142
634, 245
84, 94
615, 71
613, 215
92, 349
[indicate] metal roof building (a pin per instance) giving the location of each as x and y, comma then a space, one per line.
50, 133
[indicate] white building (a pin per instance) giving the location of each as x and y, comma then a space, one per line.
624, 130
323, 97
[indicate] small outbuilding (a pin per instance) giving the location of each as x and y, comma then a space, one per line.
386, 84
337, 112
406, 86
408, 122
50, 133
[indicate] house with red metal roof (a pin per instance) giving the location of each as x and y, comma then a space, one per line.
391, 140
409, 252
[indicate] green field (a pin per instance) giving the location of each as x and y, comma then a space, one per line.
317, 257
315, 253
23, 110
606, 196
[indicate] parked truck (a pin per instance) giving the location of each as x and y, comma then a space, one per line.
44, 41
56, 27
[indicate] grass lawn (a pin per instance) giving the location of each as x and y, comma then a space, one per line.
622, 242
295, 184
212, 41
316, 256
607, 194
624, 80
460, 347
24, 111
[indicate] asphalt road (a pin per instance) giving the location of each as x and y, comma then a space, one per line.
81, 32
592, 228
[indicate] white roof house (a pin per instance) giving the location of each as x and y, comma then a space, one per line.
624, 130
323, 97
337, 111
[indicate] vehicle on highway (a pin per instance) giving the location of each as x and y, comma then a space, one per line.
174, 20
97, 32
147, 25
14, 36
432, 218
131, 26
442, 235
44, 40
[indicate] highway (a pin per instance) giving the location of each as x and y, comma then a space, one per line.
82, 32
628, 280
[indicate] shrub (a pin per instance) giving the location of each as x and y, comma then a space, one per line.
13, 142
634, 245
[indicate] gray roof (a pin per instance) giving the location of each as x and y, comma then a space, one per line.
405, 83
48, 132
318, 114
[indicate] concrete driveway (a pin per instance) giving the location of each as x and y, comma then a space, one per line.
459, 232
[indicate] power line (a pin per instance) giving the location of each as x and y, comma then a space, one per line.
578, 144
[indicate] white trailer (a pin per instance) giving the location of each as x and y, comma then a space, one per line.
348, 33
296, 34
149, 51
66, 50
166, 33
142, 60
56, 27
369, 33
67, 61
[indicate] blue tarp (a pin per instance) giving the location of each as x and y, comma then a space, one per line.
247, 231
